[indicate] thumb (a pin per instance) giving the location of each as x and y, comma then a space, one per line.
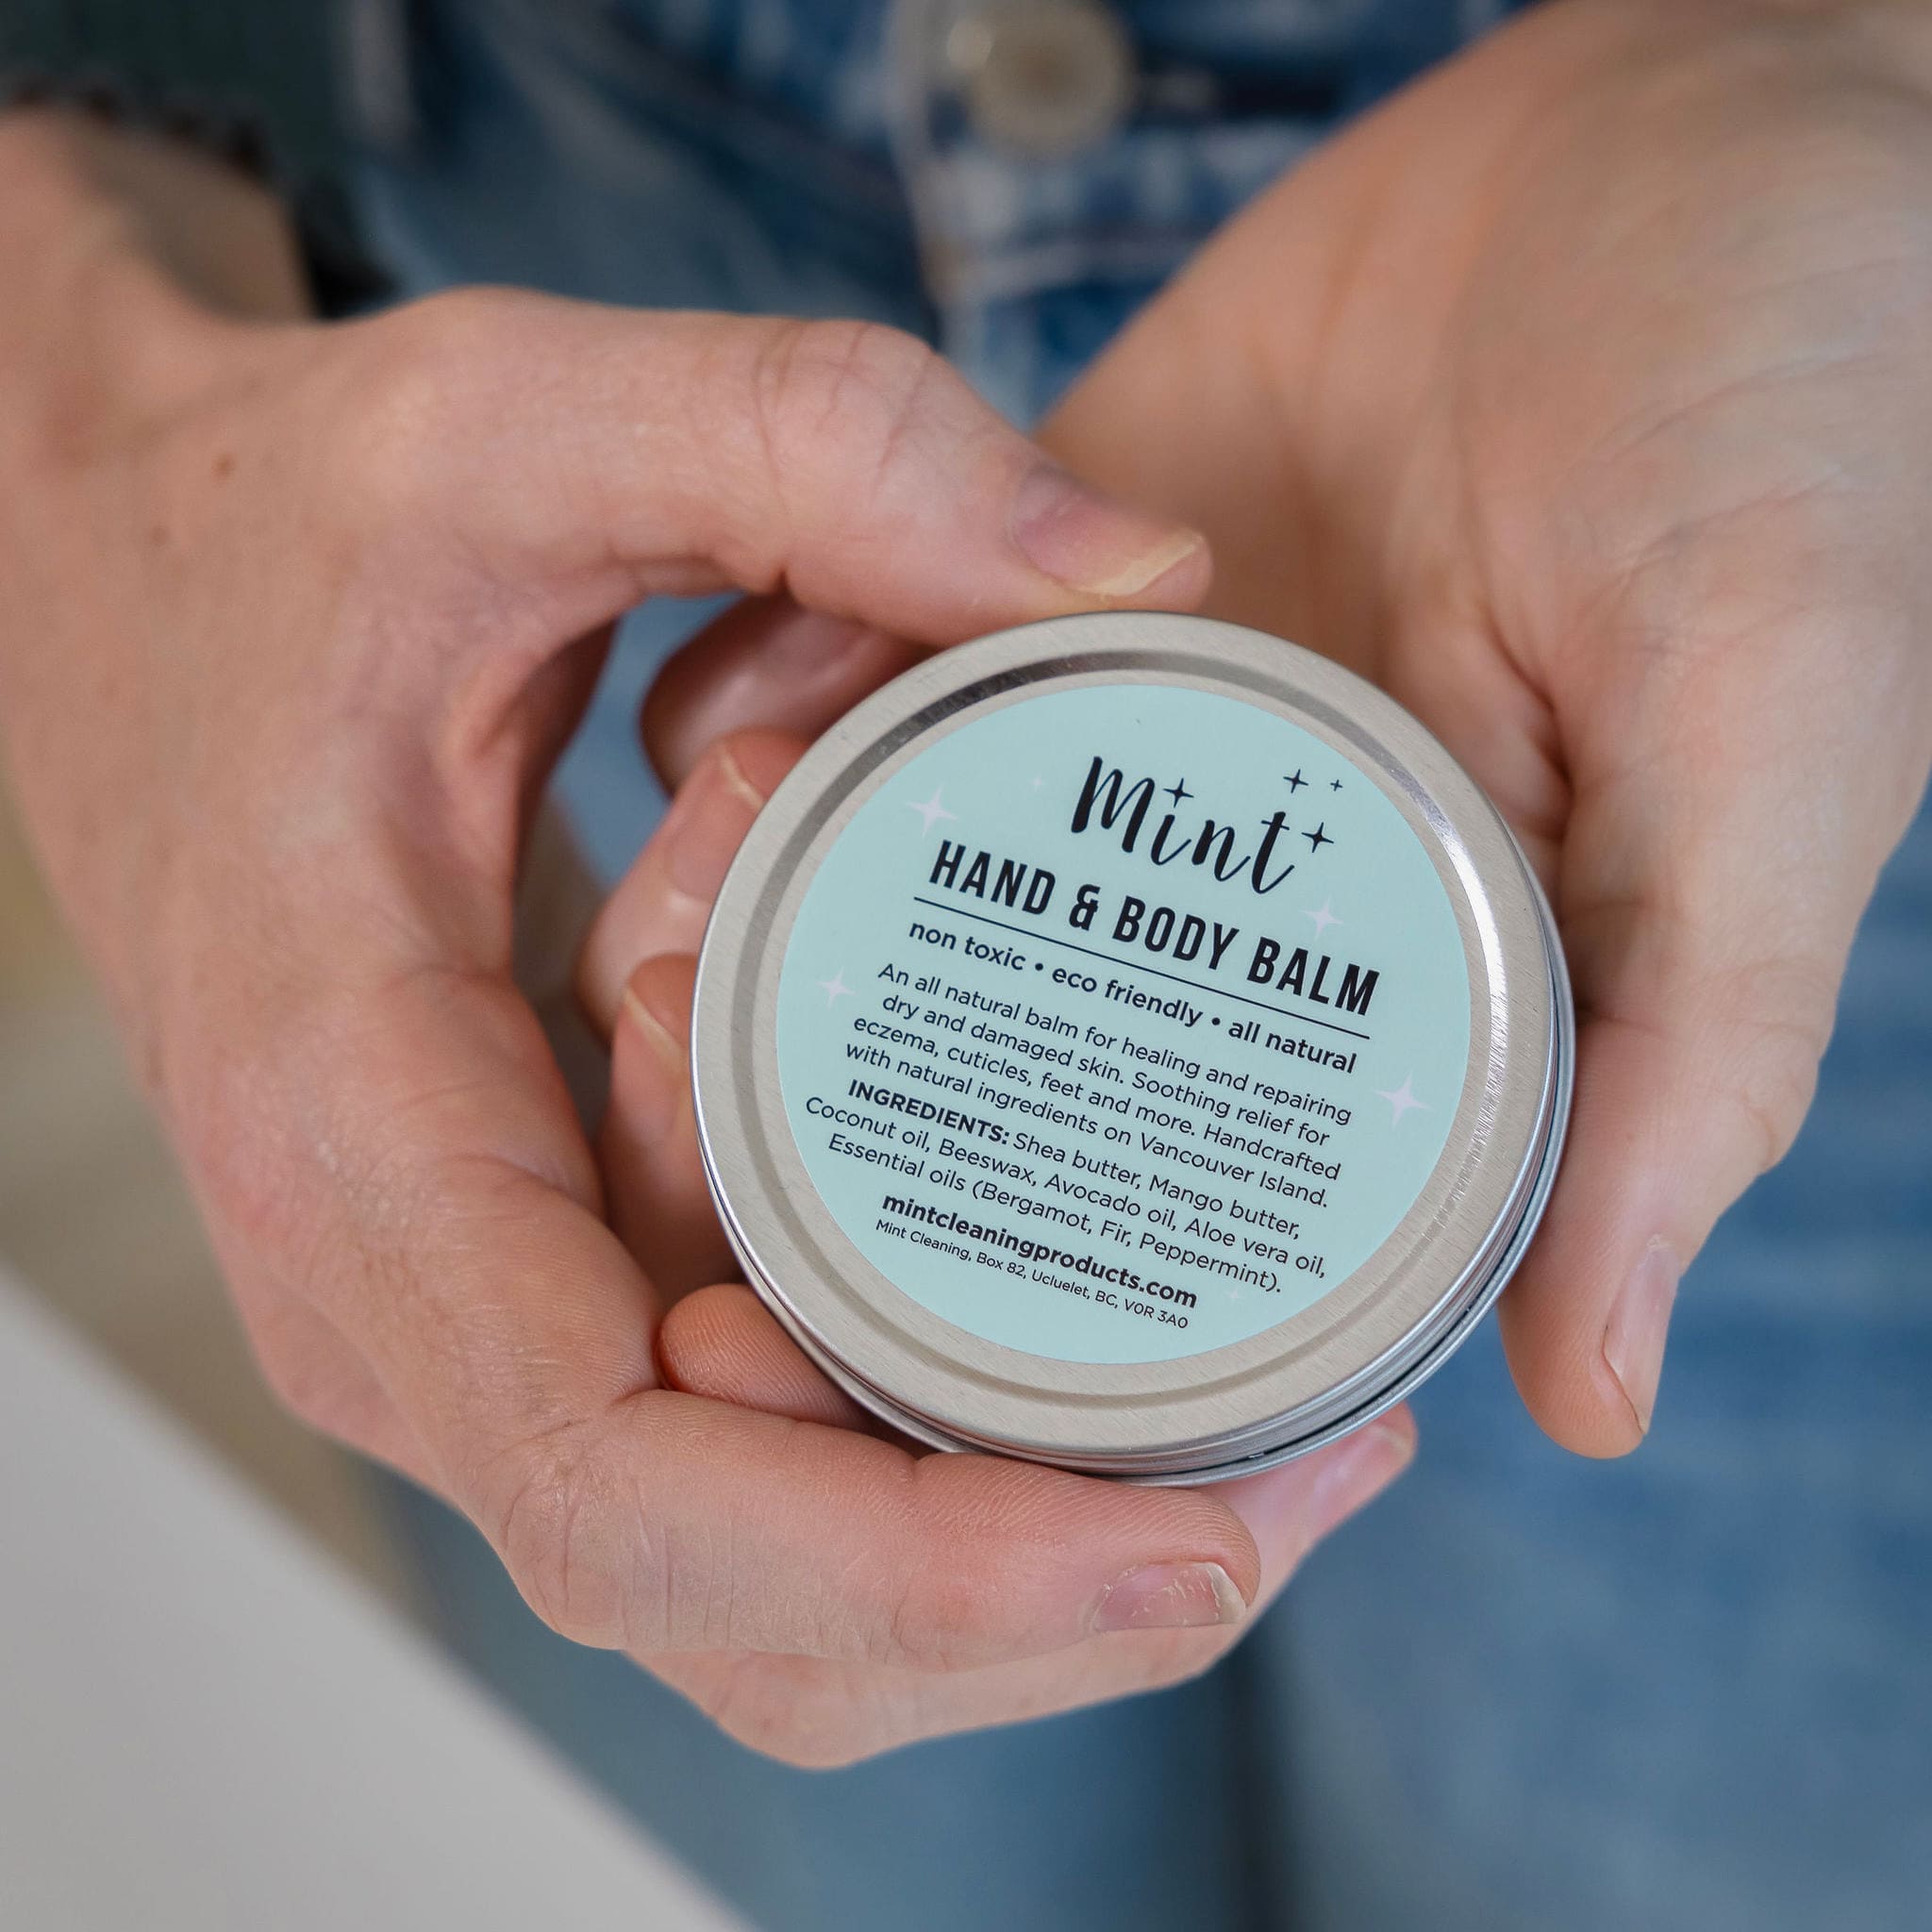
1729, 823
604, 454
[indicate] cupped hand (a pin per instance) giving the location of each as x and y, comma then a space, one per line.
1582, 398
296, 620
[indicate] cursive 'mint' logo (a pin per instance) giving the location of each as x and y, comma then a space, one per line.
1108, 798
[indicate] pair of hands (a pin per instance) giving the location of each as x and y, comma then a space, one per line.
1579, 397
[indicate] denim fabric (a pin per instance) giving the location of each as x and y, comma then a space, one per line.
1691, 1690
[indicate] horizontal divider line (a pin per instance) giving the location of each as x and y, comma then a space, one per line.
1220, 993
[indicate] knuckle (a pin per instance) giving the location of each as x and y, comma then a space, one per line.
426, 377
847, 394
551, 1523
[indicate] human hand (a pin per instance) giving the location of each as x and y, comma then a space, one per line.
296, 620
1581, 399
718, 1341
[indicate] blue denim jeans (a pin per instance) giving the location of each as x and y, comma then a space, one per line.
1690, 1690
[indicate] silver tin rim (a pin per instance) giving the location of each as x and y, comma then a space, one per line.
1225, 1412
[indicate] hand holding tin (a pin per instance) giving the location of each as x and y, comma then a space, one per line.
994, 1535
1579, 397
296, 620
1598, 402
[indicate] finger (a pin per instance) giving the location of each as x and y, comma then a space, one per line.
510, 1326
597, 456
452, 1232
1290, 1509
1708, 895
655, 1189
766, 663
699, 1525
662, 903
812, 1712
723, 1342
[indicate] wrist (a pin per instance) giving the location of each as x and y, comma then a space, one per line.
129, 262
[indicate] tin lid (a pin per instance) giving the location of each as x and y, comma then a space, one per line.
1132, 1042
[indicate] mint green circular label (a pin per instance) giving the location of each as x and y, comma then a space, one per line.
1122, 1022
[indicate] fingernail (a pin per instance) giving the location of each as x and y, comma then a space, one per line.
1170, 1596
1634, 1335
649, 1105
1359, 1469
1088, 541
708, 824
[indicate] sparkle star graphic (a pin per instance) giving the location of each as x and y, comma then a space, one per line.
1294, 780
1318, 838
1177, 792
931, 811
1402, 1100
1325, 917
835, 988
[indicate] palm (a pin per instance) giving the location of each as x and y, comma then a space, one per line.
1577, 399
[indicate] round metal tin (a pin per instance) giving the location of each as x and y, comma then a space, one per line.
1368, 1339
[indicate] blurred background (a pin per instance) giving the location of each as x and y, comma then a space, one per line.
220, 1709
